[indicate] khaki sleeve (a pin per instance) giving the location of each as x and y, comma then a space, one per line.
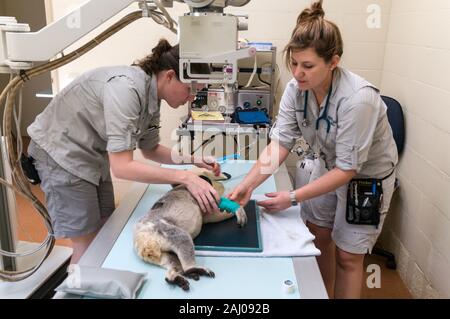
151, 138
121, 107
285, 130
356, 128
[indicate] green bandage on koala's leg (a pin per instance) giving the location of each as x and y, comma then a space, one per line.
228, 205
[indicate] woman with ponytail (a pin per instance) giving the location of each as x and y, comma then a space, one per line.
93, 126
343, 119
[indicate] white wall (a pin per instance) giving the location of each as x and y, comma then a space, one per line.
416, 68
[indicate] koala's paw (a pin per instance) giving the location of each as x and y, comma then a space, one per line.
196, 271
241, 216
179, 281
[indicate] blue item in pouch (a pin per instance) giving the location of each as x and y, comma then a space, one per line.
251, 116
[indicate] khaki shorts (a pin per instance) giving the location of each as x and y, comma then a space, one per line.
75, 206
329, 211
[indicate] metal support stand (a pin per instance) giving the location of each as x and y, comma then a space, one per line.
7, 241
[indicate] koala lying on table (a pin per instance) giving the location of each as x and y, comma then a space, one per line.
164, 236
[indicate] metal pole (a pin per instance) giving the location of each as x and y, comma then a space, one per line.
7, 242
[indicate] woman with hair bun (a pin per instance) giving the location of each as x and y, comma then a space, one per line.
343, 119
93, 126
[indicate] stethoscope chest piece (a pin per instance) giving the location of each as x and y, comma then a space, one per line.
305, 123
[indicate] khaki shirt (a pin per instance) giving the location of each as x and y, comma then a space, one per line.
360, 137
110, 109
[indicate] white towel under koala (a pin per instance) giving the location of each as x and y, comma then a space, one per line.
283, 235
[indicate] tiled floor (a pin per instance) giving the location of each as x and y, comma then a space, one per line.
391, 287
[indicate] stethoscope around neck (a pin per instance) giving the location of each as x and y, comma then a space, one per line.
323, 117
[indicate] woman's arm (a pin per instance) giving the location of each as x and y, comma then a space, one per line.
164, 155
269, 160
124, 166
325, 184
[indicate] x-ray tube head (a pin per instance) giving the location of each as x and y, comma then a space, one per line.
237, 3
223, 3
198, 3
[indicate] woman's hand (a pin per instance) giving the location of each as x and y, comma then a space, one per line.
206, 196
278, 202
209, 163
241, 194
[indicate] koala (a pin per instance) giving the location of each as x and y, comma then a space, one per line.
164, 236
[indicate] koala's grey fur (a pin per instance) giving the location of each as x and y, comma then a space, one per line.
164, 236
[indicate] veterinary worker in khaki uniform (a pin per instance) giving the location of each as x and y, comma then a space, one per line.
343, 119
93, 126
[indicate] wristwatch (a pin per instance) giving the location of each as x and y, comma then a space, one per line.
292, 197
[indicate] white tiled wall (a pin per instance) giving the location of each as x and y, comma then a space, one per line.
416, 68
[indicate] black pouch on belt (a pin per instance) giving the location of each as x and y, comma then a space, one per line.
27, 163
364, 200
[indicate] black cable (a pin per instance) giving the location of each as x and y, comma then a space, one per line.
24, 76
240, 70
262, 81
234, 137
204, 143
210, 140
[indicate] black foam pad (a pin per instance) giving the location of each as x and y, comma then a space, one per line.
228, 236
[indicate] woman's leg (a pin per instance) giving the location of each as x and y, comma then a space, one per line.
78, 208
327, 258
349, 275
105, 195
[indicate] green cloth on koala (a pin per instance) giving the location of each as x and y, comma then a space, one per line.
228, 205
